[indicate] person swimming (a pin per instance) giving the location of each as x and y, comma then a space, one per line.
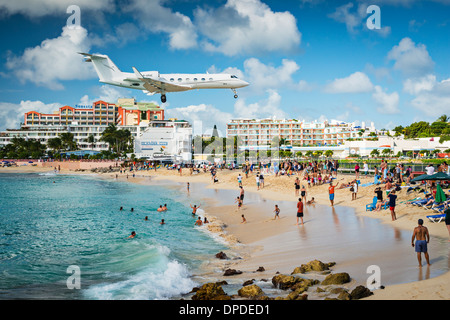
160, 209
133, 234
194, 209
164, 207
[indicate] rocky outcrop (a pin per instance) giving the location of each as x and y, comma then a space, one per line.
231, 272
314, 265
251, 291
210, 291
221, 255
336, 278
360, 292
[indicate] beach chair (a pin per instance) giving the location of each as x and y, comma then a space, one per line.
373, 205
436, 218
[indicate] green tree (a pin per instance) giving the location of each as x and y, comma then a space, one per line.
68, 141
375, 153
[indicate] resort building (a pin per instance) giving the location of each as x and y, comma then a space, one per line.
165, 140
84, 121
262, 132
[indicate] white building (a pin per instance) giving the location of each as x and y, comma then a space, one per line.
165, 140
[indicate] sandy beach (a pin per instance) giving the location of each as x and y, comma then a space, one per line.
258, 239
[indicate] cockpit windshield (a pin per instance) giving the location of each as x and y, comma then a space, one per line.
233, 77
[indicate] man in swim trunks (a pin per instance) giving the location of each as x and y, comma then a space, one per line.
194, 209
300, 210
241, 195
422, 238
331, 192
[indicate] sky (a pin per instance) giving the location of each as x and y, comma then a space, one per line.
304, 59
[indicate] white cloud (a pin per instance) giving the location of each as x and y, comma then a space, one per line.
355, 83
155, 18
201, 116
433, 98
247, 27
266, 76
33, 8
205, 116
12, 114
416, 85
351, 20
54, 60
270, 107
105, 93
388, 103
411, 59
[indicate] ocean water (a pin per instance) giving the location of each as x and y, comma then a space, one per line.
52, 224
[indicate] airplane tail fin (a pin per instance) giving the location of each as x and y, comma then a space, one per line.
105, 68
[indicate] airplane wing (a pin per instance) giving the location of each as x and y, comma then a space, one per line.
157, 85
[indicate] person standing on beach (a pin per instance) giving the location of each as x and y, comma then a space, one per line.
241, 195
422, 239
303, 193
392, 197
257, 181
188, 187
447, 219
239, 203
297, 186
331, 192
239, 179
354, 189
299, 210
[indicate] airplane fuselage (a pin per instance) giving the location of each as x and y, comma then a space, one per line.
188, 81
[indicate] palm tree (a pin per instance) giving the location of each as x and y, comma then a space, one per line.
91, 141
328, 153
55, 144
444, 118
68, 142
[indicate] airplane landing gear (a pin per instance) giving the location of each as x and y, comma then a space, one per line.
163, 98
235, 93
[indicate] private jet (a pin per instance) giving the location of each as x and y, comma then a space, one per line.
152, 82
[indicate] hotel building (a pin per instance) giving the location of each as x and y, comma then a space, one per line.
261, 132
84, 121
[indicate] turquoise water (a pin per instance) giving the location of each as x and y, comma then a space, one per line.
49, 222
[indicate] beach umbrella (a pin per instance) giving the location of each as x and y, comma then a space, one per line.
440, 195
421, 177
436, 176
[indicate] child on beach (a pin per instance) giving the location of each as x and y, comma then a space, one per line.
243, 219
239, 203
277, 212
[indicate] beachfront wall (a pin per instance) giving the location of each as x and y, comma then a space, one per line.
70, 164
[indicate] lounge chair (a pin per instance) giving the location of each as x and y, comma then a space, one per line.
436, 218
373, 205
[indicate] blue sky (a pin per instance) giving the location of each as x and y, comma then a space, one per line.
304, 59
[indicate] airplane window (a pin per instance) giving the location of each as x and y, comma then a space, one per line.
195, 79
179, 79
187, 79
210, 79
172, 79
203, 79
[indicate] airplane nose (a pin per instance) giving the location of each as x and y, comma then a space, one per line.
244, 83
